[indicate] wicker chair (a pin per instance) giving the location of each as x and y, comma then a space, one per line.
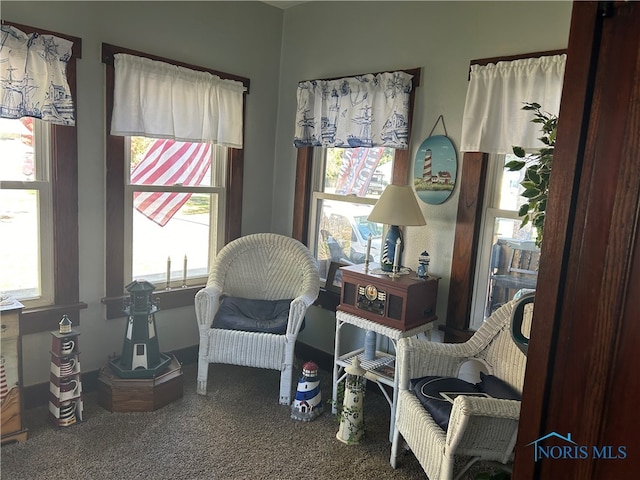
480, 428
262, 266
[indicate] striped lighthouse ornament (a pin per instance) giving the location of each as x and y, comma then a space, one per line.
307, 405
426, 170
4, 388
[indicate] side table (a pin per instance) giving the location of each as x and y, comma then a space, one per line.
381, 370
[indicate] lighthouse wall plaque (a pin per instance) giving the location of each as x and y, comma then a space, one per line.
435, 169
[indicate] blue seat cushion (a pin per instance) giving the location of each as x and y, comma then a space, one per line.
428, 389
251, 315
497, 388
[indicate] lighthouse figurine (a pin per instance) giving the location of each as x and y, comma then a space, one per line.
351, 428
307, 405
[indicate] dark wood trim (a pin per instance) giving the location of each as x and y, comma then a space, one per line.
465, 245
304, 169
43, 319
235, 179
166, 299
108, 51
115, 184
583, 353
302, 194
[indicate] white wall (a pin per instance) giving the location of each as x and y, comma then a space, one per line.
243, 38
332, 39
275, 49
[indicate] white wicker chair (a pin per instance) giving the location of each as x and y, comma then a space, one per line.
263, 266
480, 428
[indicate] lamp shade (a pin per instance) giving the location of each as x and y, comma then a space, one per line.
397, 206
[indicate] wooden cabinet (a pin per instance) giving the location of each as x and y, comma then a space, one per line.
11, 373
403, 303
65, 385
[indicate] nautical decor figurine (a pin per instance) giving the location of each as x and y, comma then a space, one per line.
141, 356
65, 325
423, 264
351, 428
307, 405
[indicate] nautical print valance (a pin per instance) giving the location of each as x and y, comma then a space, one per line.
159, 100
33, 77
493, 120
363, 111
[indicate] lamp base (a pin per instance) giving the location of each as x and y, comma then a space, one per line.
389, 250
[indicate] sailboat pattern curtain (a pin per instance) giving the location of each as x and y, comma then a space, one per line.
33, 76
364, 111
493, 120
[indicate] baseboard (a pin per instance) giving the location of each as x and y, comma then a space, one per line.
38, 395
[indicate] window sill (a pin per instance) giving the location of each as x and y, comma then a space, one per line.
165, 299
44, 319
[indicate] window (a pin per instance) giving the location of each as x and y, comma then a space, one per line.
347, 183
173, 229
26, 211
507, 259
39, 211
151, 242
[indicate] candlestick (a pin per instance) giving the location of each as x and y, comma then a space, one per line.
168, 273
184, 272
366, 259
396, 259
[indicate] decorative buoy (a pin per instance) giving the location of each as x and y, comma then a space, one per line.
307, 405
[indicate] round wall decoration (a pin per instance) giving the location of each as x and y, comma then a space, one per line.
435, 169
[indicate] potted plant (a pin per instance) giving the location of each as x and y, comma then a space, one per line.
538, 170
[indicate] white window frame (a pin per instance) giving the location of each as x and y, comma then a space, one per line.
318, 195
43, 185
218, 191
495, 173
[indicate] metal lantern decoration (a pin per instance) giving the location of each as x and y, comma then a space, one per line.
307, 405
65, 325
351, 428
141, 356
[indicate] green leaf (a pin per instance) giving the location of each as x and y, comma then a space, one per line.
519, 152
514, 165
531, 193
524, 208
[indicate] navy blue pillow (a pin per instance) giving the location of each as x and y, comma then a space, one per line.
250, 315
497, 388
428, 389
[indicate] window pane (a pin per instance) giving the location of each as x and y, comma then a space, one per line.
20, 253
185, 233
16, 150
363, 172
510, 189
168, 162
514, 262
343, 233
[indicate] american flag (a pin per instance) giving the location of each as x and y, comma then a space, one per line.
168, 162
358, 165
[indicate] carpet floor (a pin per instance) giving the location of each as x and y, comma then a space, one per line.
237, 431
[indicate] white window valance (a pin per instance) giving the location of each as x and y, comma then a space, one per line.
493, 120
159, 100
33, 77
364, 111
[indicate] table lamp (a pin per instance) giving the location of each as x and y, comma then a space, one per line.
397, 206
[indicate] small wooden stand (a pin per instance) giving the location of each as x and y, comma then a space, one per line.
139, 395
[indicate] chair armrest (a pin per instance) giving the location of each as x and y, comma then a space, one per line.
207, 302
417, 358
479, 423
